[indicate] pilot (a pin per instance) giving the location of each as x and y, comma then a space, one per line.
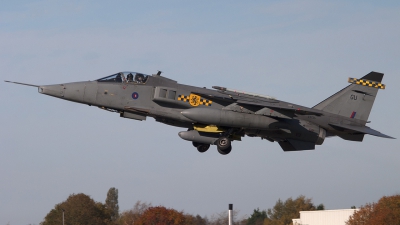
139, 78
130, 77
118, 78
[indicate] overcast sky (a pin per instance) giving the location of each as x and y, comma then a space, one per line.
298, 51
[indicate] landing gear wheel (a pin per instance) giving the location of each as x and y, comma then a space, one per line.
195, 144
223, 143
203, 147
224, 152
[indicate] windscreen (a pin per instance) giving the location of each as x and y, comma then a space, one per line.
126, 77
117, 78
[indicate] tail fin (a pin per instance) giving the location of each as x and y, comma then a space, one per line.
356, 100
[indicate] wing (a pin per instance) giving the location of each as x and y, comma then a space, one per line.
253, 100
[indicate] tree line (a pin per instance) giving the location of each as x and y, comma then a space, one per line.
83, 210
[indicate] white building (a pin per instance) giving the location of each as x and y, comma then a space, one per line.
324, 217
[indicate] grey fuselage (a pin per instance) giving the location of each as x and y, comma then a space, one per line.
238, 114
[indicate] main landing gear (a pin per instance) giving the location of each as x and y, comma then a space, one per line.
223, 143
224, 146
201, 147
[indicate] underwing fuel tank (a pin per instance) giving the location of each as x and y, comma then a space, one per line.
232, 119
195, 136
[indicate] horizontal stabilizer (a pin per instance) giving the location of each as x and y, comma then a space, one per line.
360, 129
296, 145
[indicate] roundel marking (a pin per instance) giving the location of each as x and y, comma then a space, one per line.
135, 95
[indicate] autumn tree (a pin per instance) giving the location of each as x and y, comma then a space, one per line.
160, 215
79, 209
112, 203
283, 212
129, 217
196, 220
257, 218
385, 211
221, 218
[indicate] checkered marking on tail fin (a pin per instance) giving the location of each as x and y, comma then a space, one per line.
368, 83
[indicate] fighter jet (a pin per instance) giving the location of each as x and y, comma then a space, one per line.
222, 115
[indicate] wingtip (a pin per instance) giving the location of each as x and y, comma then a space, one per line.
385, 136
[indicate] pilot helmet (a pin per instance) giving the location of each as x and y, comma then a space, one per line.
130, 77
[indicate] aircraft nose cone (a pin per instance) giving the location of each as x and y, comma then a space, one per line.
56, 90
72, 91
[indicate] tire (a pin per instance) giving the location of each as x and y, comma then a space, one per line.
224, 143
225, 152
195, 144
203, 147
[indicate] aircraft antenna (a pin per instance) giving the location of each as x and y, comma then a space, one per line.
32, 85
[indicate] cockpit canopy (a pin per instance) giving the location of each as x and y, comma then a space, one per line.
126, 77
